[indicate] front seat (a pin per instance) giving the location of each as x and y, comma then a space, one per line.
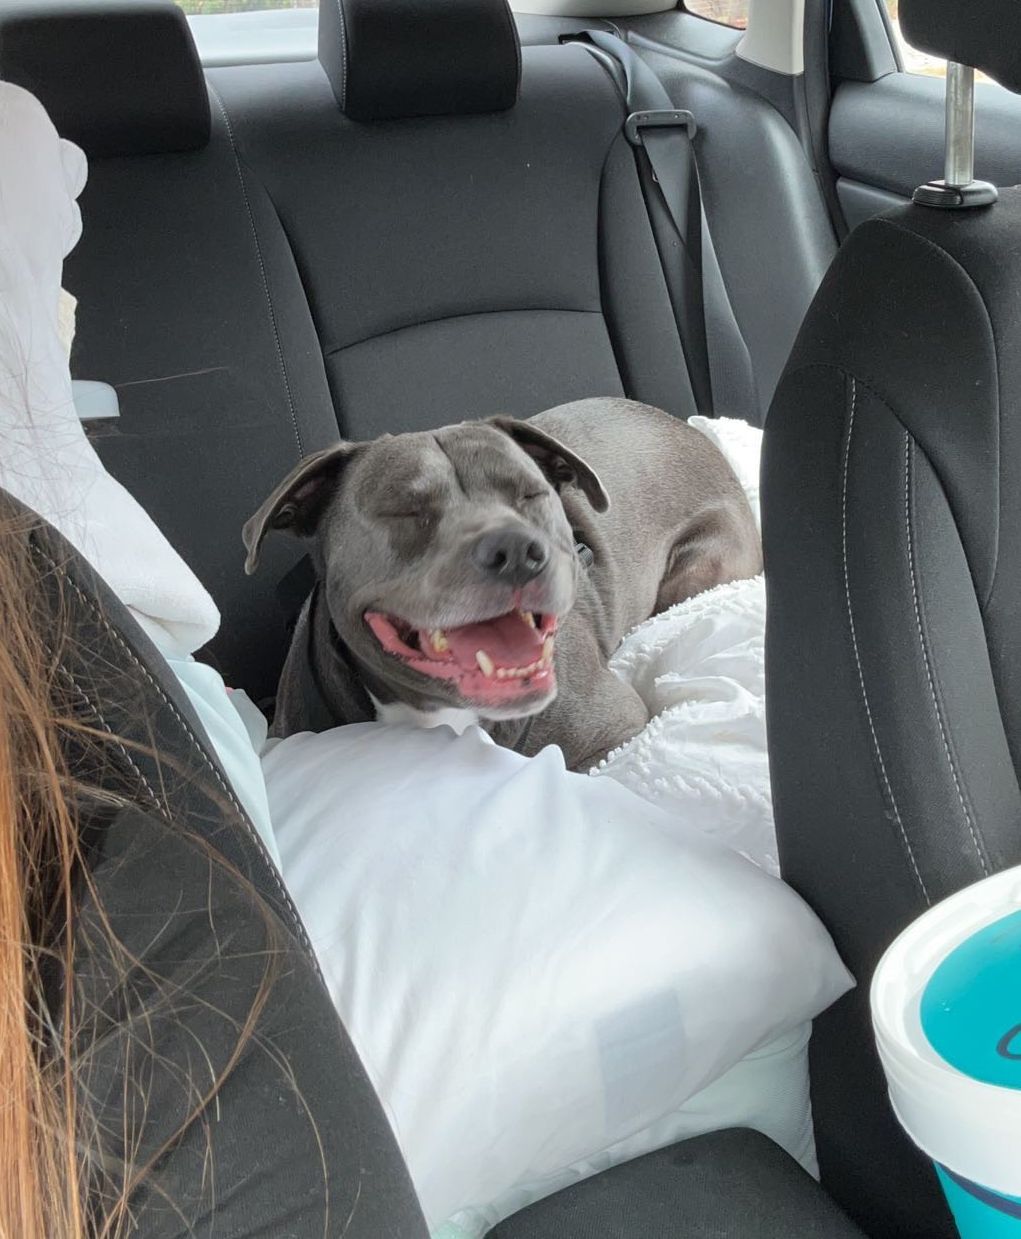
892, 531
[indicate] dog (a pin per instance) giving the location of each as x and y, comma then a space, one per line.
492, 567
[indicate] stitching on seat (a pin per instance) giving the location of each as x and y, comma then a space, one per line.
332, 350
262, 270
925, 655
955, 262
97, 713
854, 644
285, 897
343, 53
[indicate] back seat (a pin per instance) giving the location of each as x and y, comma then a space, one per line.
297, 272
428, 223
457, 264
189, 301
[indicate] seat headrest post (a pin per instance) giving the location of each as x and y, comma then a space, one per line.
958, 190
959, 167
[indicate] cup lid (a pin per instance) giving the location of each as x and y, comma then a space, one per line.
971, 1007
953, 1082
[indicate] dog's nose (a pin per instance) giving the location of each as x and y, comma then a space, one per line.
511, 555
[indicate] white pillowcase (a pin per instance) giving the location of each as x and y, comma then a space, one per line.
535, 966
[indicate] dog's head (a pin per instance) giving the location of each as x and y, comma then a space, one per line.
447, 558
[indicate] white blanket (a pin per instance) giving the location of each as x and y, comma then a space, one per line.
700, 669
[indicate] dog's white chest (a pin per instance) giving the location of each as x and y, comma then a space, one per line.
399, 712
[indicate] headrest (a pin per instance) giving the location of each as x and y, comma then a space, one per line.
389, 59
985, 34
118, 77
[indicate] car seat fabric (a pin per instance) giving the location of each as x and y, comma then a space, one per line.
179, 869
140, 73
481, 290
48, 462
46, 458
455, 58
890, 493
729, 1185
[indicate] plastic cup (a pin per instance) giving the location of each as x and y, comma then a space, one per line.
946, 1009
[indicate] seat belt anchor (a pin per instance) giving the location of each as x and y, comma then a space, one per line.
661, 118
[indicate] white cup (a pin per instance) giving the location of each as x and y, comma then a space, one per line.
970, 1127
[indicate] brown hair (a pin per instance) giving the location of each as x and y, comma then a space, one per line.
47, 1137
40, 1181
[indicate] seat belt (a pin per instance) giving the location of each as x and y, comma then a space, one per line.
717, 358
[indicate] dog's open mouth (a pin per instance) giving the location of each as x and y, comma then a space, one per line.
504, 659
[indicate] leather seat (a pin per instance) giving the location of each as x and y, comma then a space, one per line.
892, 533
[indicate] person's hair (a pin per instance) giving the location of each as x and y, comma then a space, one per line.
48, 1142
40, 1176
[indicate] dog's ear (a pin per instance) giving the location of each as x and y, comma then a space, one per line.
299, 501
560, 465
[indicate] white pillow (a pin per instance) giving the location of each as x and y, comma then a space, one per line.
536, 967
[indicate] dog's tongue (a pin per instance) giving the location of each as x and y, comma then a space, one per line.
509, 640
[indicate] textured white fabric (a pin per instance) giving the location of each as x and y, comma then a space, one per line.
700, 668
536, 966
741, 444
46, 460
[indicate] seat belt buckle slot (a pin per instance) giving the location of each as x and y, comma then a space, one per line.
661, 118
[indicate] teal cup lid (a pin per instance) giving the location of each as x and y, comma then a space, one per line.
971, 1008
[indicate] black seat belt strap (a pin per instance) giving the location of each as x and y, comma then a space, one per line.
662, 135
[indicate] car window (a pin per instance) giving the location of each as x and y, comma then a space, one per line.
206, 7
725, 12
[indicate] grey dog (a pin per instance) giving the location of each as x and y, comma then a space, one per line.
493, 566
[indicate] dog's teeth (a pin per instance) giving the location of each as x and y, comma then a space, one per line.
529, 618
486, 665
502, 673
547, 650
439, 639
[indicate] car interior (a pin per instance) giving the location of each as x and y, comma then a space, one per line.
382, 215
